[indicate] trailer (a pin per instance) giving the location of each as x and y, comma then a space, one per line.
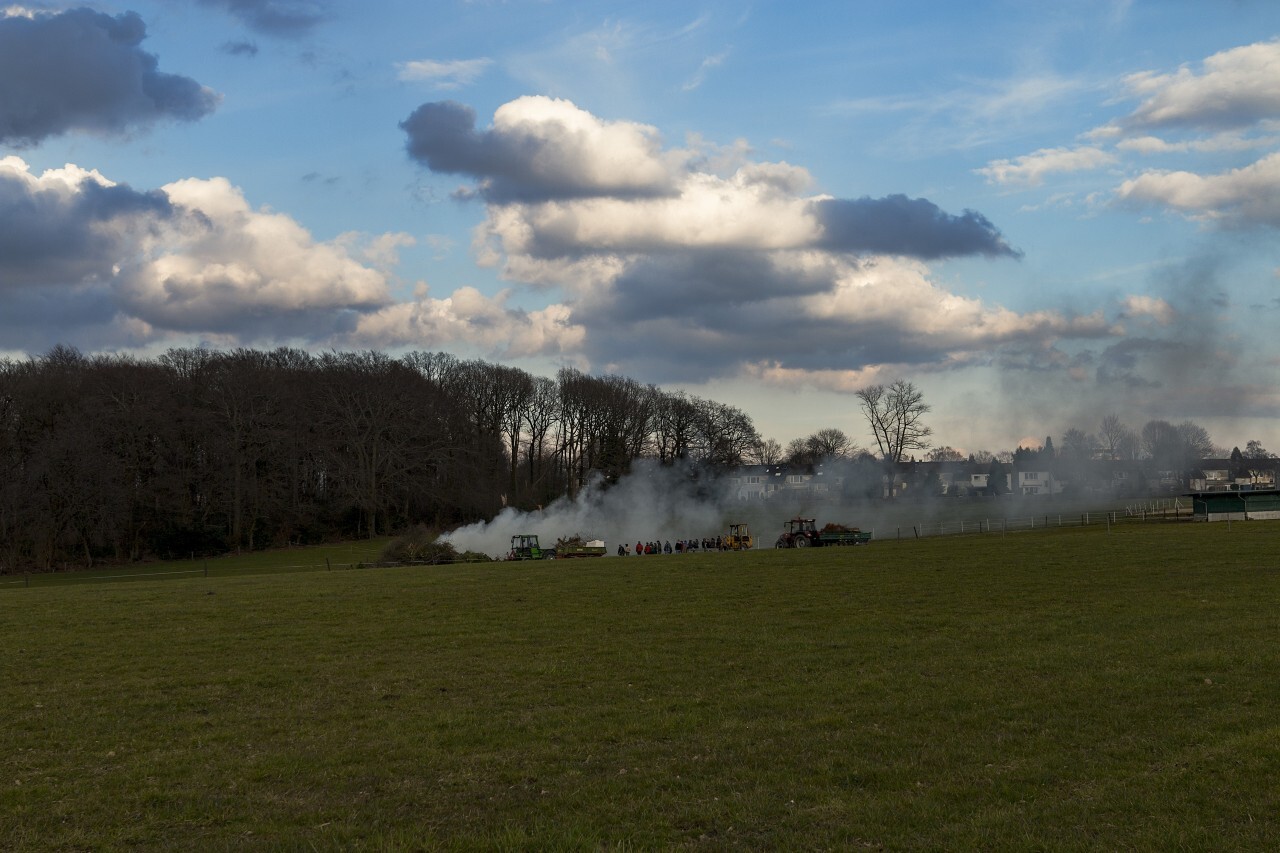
804, 532
576, 546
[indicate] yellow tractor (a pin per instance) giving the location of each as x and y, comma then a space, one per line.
739, 538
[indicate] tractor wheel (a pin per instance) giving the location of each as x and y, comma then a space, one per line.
801, 541
781, 543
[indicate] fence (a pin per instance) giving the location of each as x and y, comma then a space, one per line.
1164, 510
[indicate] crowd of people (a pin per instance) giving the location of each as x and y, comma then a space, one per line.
680, 546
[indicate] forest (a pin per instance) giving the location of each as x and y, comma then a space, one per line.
198, 451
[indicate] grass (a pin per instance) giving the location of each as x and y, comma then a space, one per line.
1064, 689
308, 558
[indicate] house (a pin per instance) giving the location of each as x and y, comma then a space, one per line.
766, 482
1221, 475
1035, 482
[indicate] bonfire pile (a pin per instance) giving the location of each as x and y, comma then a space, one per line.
839, 528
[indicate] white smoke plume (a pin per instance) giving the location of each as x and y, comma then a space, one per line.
652, 503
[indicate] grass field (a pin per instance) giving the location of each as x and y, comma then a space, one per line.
1060, 689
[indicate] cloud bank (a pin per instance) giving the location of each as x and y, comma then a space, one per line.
690, 263
192, 257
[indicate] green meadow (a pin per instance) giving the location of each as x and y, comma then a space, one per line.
1054, 689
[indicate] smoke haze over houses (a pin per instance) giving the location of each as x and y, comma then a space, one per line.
1038, 217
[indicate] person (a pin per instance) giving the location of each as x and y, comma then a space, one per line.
639, 548
622, 550
666, 549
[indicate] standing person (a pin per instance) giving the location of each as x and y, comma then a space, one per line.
622, 550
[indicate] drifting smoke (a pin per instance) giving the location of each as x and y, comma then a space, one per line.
651, 503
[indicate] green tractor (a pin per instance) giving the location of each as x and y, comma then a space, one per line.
524, 546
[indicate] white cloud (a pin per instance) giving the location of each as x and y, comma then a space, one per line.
1246, 196
444, 74
576, 146
193, 257
469, 318
1151, 307
226, 264
1030, 169
1235, 88
746, 211
1232, 141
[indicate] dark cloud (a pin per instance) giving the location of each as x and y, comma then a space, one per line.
706, 313
34, 319
916, 227
697, 285
83, 70
52, 237
512, 166
280, 18
240, 48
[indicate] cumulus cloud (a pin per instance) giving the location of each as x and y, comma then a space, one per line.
191, 257
68, 226
444, 74
698, 262
1235, 88
1030, 169
1237, 198
469, 318
83, 70
540, 148
281, 18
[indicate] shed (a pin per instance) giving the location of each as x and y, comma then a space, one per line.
1243, 505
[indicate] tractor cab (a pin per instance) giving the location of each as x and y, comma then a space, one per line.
524, 546
739, 538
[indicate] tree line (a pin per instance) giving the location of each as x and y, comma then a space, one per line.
112, 457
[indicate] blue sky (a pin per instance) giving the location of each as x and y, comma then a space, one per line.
1039, 213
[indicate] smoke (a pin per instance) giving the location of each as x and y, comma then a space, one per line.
652, 503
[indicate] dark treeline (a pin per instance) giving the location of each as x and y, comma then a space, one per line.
200, 452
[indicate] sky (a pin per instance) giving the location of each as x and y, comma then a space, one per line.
1038, 213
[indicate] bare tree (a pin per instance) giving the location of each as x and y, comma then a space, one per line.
767, 451
831, 443
1176, 448
945, 454
798, 452
1115, 438
1196, 443
1077, 445
895, 414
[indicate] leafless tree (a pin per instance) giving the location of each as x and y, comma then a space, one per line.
1116, 439
832, 443
1077, 445
767, 451
895, 415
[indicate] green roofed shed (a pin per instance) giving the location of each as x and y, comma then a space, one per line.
1242, 505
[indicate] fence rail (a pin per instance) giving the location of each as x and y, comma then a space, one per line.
1171, 510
